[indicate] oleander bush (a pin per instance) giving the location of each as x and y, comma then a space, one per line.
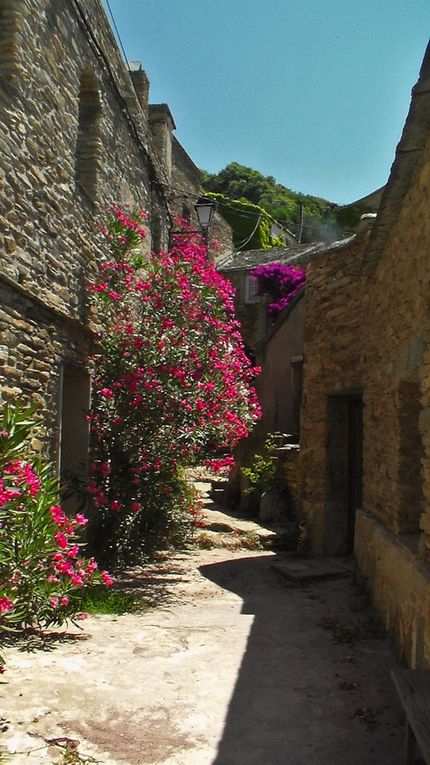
172, 385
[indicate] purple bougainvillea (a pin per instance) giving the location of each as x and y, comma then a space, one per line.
281, 281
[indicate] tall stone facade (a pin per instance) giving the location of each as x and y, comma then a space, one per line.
365, 424
76, 134
185, 190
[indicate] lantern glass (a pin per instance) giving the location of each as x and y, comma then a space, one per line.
204, 209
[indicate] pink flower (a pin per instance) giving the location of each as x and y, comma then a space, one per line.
115, 505
107, 579
65, 567
80, 519
135, 507
7, 495
54, 601
65, 600
61, 539
91, 567
107, 393
6, 605
57, 515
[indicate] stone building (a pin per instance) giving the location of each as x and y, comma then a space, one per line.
365, 419
76, 134
183, 192
251, 310
280, 356
277, 347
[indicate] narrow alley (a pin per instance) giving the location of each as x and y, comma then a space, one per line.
233, 665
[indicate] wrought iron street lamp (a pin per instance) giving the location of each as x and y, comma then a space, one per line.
204, 208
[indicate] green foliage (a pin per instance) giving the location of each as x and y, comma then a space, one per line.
124, 538
261, 474
349, 217
42, 574
250, 223
322, 220
171, 384
102, 601
71, 756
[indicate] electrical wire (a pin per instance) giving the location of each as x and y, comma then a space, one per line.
108, 5
242, 244
116, 30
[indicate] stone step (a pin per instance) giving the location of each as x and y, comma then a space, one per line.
217, 495
219, 483
311, 569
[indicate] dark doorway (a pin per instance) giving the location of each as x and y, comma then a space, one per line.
74, 430
344, 471
296, 393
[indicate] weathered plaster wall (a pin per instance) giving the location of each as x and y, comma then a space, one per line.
251, 315
278, 384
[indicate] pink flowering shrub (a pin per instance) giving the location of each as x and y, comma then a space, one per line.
281, 281
42, 571
219, 465
172, 383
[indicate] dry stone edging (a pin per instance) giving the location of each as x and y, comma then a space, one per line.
220, 528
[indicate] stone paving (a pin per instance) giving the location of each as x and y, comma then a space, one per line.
234, 665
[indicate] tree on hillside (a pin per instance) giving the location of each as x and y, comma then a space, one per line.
316, 218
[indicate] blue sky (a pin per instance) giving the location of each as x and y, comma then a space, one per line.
313, 92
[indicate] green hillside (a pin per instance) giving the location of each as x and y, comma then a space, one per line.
316, 218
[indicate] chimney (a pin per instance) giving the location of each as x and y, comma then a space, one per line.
366, 222
162, 125
141, 85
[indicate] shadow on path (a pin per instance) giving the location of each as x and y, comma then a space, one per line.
300, 698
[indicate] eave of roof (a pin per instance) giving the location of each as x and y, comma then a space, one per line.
248, 259
406, 163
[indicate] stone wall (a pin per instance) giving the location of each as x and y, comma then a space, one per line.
73, 139
38, 346
367, 340
334, 363
185, 190
75, 136
289, 472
